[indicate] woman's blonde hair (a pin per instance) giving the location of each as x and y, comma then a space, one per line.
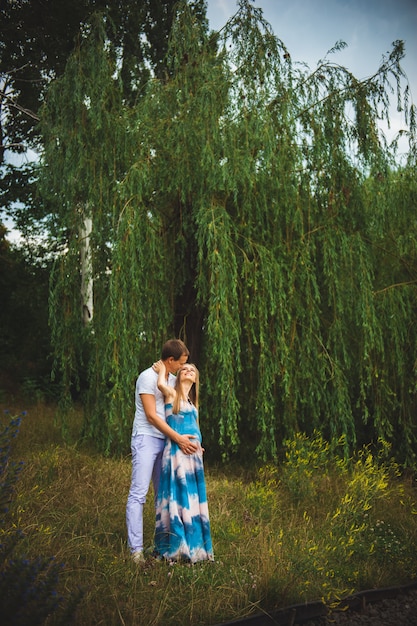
193, 393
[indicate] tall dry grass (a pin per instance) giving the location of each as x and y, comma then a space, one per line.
314, 527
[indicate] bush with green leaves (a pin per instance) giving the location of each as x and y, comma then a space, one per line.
358, 529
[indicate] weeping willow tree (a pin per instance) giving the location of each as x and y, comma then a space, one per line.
82, 164
260, 217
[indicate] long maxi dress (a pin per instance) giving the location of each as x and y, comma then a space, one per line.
182, 530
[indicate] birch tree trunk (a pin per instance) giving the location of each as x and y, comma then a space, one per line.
87, 285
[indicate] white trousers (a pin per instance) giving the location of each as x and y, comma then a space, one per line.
146, 466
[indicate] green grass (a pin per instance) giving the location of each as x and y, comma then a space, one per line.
315, 527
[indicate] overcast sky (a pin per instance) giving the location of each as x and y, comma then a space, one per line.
309, 28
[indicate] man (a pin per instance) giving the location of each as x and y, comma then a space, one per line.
148, 437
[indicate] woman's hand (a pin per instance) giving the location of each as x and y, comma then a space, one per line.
159, 366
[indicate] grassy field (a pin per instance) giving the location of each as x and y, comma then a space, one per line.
316, 526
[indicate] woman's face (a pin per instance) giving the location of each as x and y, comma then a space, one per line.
187, 372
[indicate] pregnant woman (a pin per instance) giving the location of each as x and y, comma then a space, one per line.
182, 530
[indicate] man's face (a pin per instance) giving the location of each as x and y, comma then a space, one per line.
174, 366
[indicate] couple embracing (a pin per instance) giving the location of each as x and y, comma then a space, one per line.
166, 448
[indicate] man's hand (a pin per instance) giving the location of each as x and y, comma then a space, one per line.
186, 445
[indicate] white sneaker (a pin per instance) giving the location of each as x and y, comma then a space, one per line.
138, 557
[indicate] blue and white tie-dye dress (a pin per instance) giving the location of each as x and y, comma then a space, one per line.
182, 518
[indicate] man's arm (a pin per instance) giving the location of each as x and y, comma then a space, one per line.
184, 442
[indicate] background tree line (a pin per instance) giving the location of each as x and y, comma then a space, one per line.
213, 190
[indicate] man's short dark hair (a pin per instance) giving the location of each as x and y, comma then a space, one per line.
175, 348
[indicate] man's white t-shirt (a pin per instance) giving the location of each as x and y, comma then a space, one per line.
147, 383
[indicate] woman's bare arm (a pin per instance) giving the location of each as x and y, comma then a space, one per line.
168, 391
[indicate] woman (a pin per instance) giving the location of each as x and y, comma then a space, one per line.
182, 530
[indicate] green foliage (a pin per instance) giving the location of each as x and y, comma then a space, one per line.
28, 586
307, 458
74, 143
237, 205
356, 491
359, 532
25, 344
9, 469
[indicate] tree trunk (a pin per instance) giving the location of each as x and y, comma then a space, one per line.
86, 271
